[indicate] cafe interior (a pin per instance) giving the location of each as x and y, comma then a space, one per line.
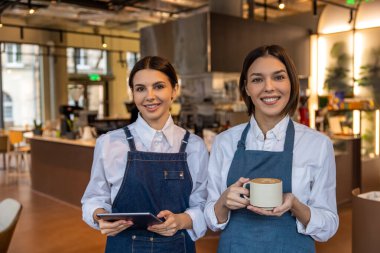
64, 82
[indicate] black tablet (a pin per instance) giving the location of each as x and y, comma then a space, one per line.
140, 220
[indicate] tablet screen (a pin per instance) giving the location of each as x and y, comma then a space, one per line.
140, 220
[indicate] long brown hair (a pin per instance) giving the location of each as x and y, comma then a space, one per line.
280, 54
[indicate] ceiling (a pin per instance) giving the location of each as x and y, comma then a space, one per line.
134, 14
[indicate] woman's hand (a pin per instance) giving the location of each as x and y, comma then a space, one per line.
173, 223
231, 199
291, 203
110, 228
113, 228
288, 202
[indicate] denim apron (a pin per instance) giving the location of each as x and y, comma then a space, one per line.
153, 182
247, 231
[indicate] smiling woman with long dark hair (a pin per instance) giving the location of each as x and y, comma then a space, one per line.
153, 166
271, 145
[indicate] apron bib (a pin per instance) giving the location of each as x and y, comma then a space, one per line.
247, 231
153, 182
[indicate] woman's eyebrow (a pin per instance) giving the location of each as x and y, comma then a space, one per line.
274, 73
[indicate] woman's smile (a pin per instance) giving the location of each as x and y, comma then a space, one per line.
152, 107
270, 100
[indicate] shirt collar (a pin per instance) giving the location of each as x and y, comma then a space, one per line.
147, 133
278, 132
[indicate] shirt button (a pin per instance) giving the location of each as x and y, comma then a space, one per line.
151, 239
133, 237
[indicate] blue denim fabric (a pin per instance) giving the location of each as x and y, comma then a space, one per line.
247, 231
153, 182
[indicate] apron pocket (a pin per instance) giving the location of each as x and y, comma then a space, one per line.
174, 175
175, 190
142, 244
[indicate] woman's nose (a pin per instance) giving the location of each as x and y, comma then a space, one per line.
268, 85
151, 94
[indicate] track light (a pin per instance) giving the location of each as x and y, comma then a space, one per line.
104, 44
281, 4
31, 10
1, 23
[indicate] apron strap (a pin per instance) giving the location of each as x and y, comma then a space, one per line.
184, 142
289, 139
241, 143
130, 139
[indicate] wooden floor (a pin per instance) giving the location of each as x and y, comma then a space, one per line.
48, 226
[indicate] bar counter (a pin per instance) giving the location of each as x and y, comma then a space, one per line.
61, 168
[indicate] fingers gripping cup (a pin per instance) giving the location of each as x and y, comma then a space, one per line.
265, 193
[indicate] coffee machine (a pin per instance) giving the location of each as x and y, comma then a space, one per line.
68, 116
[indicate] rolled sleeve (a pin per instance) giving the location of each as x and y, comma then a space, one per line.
321, 227
211, 219
216, 183
98, 193
324, 219
198, 166
199, 225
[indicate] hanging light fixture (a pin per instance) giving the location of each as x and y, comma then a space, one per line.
31, 10
104, 44
315, 7
281, 5
265, 10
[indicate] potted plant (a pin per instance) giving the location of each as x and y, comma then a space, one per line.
337, 79
370, 76
37, 128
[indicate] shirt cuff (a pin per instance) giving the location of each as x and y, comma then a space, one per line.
199, 224
214, 225
88, 215
315, 224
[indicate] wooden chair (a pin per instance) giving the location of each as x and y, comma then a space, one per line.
19, 149
10, 210
4, 148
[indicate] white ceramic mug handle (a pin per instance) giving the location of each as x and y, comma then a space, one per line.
248, 188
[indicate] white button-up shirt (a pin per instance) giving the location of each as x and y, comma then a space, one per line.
110, 159
313, 172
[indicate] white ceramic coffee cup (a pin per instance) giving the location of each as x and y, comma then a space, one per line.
265, 193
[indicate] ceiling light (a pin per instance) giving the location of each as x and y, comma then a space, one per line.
31, 10
281, 5
104, 44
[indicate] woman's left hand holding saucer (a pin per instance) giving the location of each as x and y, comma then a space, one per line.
288, 199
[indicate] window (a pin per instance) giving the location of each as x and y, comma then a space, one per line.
13, 55
86, 61
22, 85
132, 58
8, 108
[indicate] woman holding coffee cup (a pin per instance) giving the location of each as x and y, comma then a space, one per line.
152, 165
281, 156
